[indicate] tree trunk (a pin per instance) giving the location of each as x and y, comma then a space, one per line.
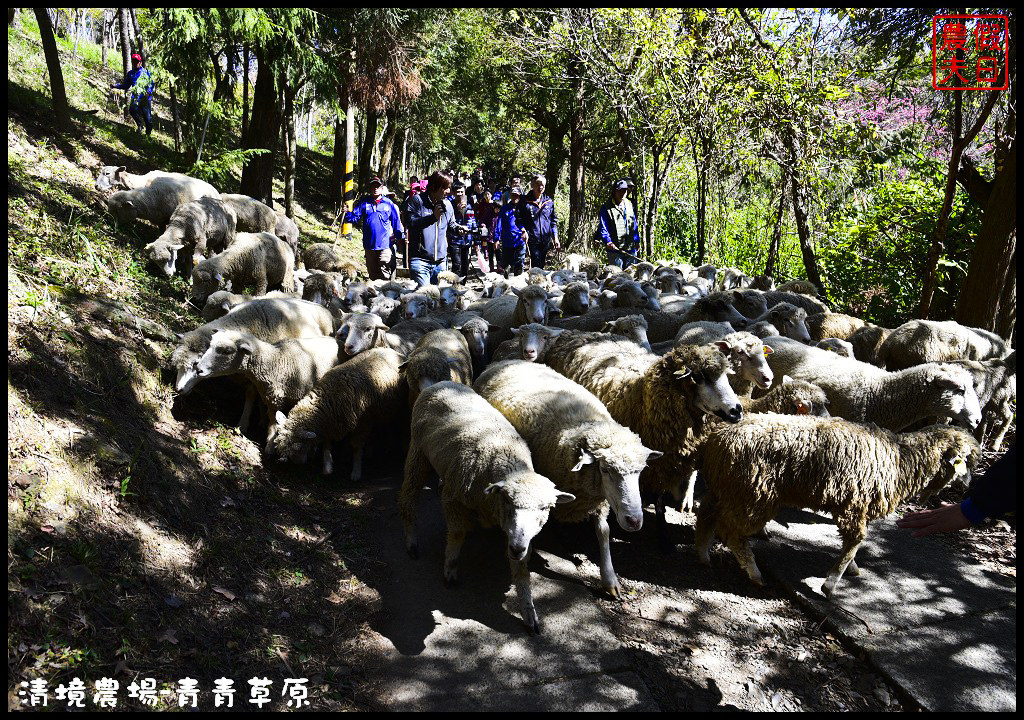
103, 39
366, 149
702, 210
174, 119
122, 21
1006, 323
555, 158
939, 234
338, 163
980, 302
773, 248
309, 118
138, 35
12, 15
576, 235
403, 177
245, 92
291, 150
387, 151
60, 99
806, 248
264, 125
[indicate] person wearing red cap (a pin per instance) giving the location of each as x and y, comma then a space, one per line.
379, 219
139, 83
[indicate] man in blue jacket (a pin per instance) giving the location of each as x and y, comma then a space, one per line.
378, 217
537, 218
139, 83
509, 234
430, 213
618, 227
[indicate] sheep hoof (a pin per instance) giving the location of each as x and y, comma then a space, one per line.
533, 626
614, 591
828, 588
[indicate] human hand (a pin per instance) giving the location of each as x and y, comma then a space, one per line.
557, 245
944, 519
526, 235
438, 211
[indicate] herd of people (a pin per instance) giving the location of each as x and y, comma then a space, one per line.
443, 218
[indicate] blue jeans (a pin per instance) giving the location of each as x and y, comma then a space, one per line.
141, 110
617, 258
539, 251
424, 272
512, 259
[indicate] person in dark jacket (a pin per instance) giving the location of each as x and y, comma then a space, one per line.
139, 83
618, 228
378, 217
991, 495
430, 214
537, 217
486, 212
510, 235
459, 240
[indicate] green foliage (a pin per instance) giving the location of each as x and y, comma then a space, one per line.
223, 170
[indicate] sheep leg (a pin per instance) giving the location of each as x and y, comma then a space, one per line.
521, 578
417, 472
328, 459
250, 402
688, 498
741, 549
853, 569
609, 580
357, 458
707, 515
851, 543
661, 524
458, 526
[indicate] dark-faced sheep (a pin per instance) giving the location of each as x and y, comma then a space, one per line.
206, 223
716, 307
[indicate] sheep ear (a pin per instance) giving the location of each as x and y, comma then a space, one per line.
173, 247
379, 323
654, 455
723, 345
306, 434
129, 203
494, 487
457, 328
682, 372
460, 293
516, 331
563, 497
585, 459
493, 328
959, 464
246, 345
786, 379
280, 418
515, 291
768, 350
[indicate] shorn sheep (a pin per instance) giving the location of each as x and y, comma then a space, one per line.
666, 400
633, 327
206, 223
530, 343
351, 400
857, 473
282, 372
255, 260
995, 381
716, 307
577, 445
833, 325
922, 341
251, 215
661, 325
839, 347
531, 304
486, 473
864, 393
113, 178
270, 319
323, 256
158, 200
439, 356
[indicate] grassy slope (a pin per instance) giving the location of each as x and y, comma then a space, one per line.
145, 538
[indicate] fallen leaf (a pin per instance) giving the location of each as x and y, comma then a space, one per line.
226, 593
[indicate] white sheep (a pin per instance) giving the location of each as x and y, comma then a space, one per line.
839, 347
350, 400
855, 472
114, 178
251, 214
575, 299
861, 392
716, 307
486, 474
324, 256
158, 200
206, 223
530, 343
666, 400
789, 319
922, 341
866, 341
531, 304
219, 304
995, 381
257, 260
577, 445
808, 303
282, 372
286, 229
763, 329
439, 356
833, 325
661, 325
633, 327
362, 331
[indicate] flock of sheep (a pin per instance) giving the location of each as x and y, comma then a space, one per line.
575, 392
